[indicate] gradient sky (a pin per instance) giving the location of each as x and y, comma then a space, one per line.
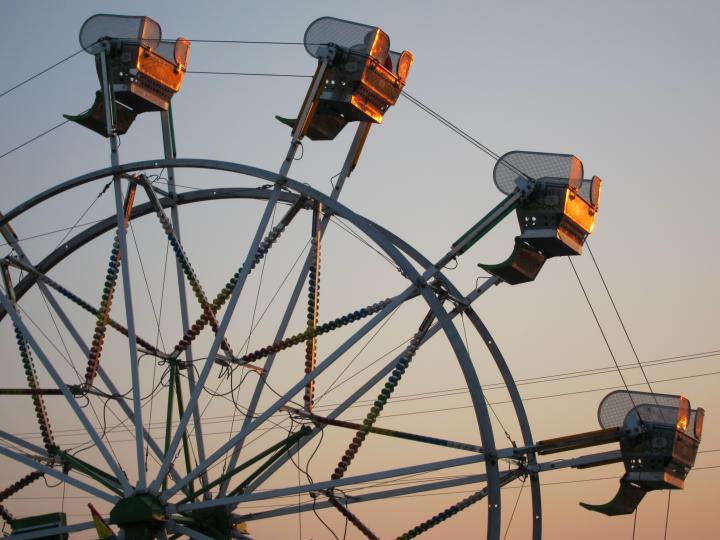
629, 87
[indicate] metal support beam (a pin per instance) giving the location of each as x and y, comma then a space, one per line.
520, 413
387, 432
59, 475
581, 462
260, 419
25, 264
54, 532
124, 261
348, 166
375, 379
37, 450
305, 116
313, 303
170, 151
68, 395
330, 484
422, 487
247, 265
191, 533
175, 372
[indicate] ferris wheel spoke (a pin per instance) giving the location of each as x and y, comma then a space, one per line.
122, 213
361, 134
67, 393
170, 153
43, 281
184, 262
23, 443
337, 483
54, 532
416, 437
50, 471
458, 507
227, 316
219, 301
479, 404
313, 303
192, 533
520, 413
355, 396
299, 386
316, 330
367, 496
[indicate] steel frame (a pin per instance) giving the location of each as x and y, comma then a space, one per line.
391, 244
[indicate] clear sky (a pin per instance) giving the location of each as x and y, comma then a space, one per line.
629, 87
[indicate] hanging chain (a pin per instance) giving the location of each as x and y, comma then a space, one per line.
81, 303
324, 328
352, 518
457, 507
227, 290
103, 315
392, 382
208, 315
6, 515
29, 367
313, 304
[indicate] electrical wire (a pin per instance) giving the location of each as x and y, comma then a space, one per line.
617, 312
247, 42
84, 213
355, 235
407, 397
528, 381
147, 283
22, 311
226, 41
512, 514
247, 341
35, 138
157, 342
602, 332
56, 64
452, 126
250, 74
635, 514
56, 231
277, 291
333, 385
467, 346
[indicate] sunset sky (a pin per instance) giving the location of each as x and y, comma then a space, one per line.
630, 88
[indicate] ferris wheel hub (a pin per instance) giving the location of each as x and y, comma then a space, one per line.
140, 516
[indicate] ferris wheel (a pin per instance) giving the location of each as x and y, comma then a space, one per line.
274, 368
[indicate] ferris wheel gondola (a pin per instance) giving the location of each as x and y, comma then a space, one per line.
360, 77
145, 70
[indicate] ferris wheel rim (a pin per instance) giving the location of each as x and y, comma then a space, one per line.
392, 242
